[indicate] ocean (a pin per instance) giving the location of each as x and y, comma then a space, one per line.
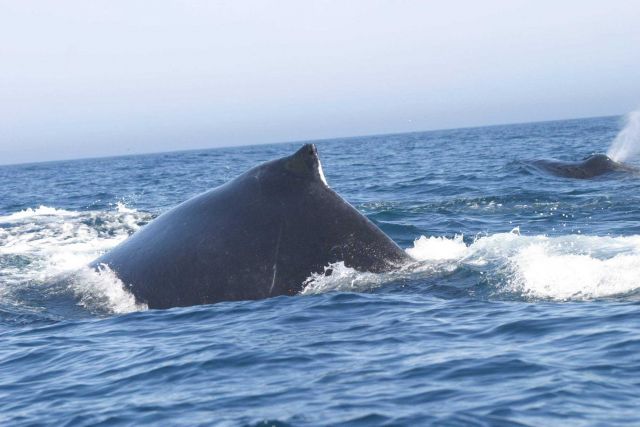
524, 309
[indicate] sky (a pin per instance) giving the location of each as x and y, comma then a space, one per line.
98, 78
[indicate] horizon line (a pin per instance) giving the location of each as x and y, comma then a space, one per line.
147, 153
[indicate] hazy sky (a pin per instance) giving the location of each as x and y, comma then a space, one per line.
93, 78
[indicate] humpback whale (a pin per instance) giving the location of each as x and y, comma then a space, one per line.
590, 167
259, 235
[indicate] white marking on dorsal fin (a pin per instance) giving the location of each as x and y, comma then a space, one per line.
275, 261
324, 180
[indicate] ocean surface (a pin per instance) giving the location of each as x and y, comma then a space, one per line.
524, 308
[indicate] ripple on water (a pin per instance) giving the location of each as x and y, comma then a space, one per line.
520, 308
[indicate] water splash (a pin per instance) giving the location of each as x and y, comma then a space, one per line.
45, 248
102, 291
563, 268
626, 146
438, 248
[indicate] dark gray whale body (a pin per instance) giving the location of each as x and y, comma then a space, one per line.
592, 166
259, 235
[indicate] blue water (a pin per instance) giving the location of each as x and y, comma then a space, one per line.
523, 309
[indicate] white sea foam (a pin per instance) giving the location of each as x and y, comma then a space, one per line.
342, 279
102, 290
40, 245
541, 272
438, 249
626, 146
41, 211
573, 267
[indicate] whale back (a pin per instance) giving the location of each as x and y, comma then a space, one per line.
259, 235
592, 166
